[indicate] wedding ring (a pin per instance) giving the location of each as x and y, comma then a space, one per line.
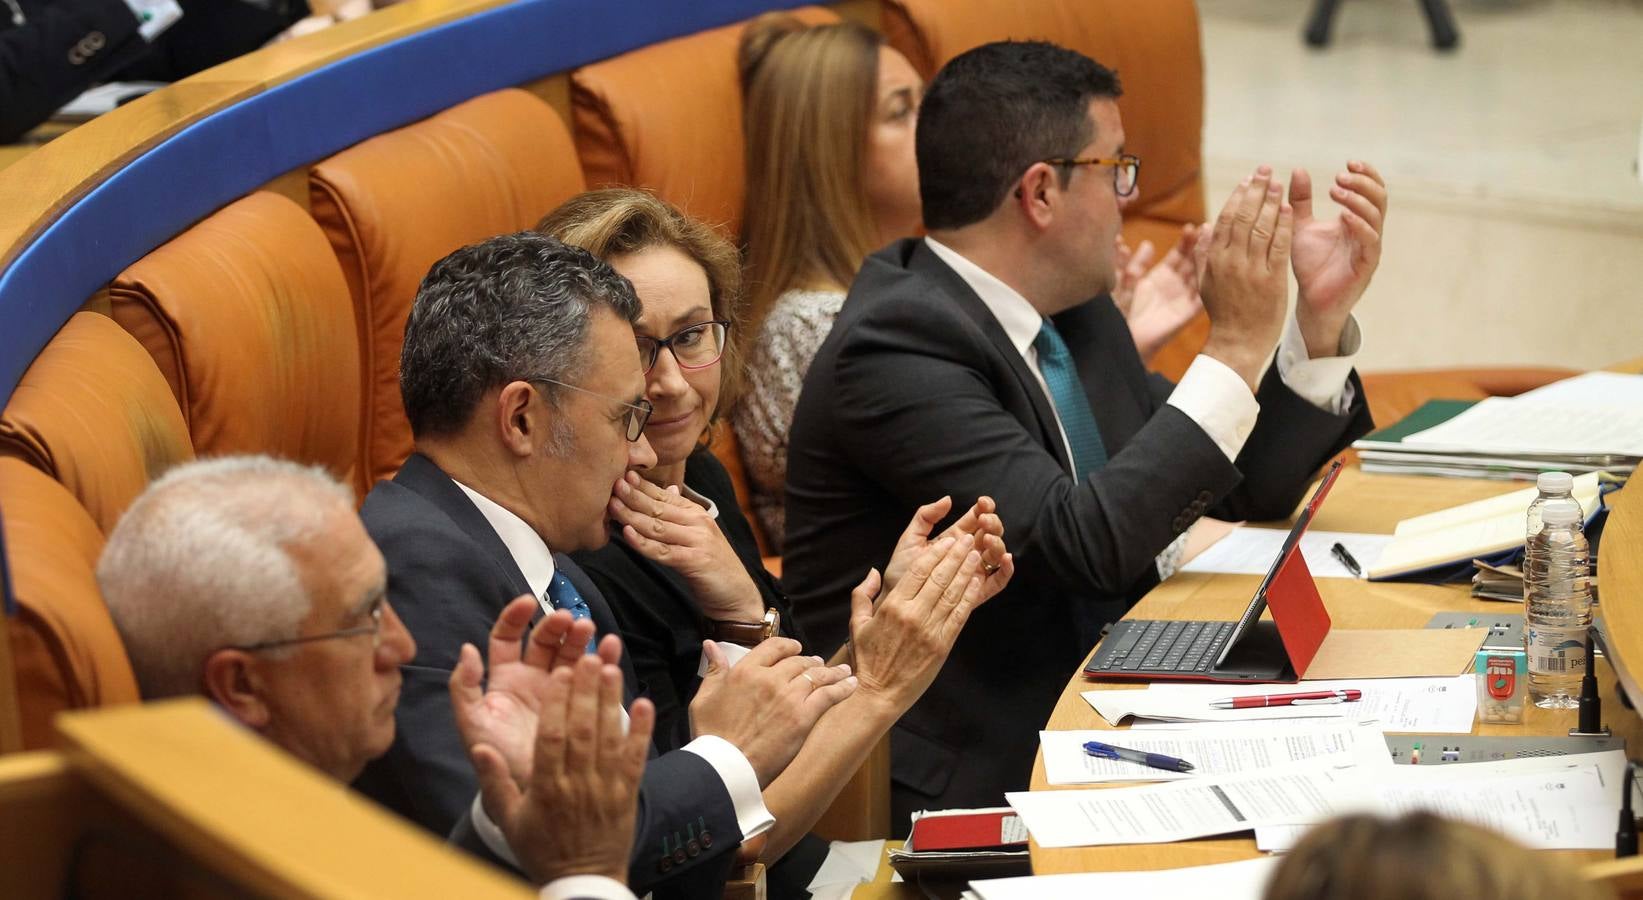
989, 568
808, 678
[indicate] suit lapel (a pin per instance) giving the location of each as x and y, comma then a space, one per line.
925, 262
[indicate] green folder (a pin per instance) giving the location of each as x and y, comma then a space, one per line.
1430, 414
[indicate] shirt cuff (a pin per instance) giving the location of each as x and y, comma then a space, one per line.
739, 779
1169, 562
1322, 382
491, 835
1216, 398
585, 887
154, 16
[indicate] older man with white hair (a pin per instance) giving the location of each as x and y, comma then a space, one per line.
251, 581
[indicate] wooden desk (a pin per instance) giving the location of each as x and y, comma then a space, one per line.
1358, 502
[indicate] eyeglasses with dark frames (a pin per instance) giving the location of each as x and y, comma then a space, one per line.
374, 629
1126, 169
694, 346
636, 416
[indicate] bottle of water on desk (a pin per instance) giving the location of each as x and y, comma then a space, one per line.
1553, 486
1558, 602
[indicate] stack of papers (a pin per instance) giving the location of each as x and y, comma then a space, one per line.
1250, 551
1418, 705
1568, 802
1589, 423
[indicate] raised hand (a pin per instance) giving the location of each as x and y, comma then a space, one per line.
1130, 266
901, 642
1334, 260
575, 814
672, 531
501, 713
980, 520
1165, 298
1245, 280
768, 703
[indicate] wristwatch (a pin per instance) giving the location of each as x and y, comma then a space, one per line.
748, 634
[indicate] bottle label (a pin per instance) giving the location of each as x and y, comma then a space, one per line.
1556, 650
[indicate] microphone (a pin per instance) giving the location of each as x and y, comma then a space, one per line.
1591, 706
1625, 836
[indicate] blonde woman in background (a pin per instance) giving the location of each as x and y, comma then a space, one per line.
1421, 856
829, 116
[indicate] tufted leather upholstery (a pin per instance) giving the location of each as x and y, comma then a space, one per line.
94, 413
63, 643
394, 205
1155, 48
249, 320
669, 117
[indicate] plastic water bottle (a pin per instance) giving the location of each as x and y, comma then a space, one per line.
1552, 485
1558, 602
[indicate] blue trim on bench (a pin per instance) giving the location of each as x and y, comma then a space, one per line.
232, 152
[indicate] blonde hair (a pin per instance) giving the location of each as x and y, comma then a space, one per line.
809, 95
1420, 856
616, 221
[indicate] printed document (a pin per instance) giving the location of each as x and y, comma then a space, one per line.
1250, 551
1214, 750
1182, 810
1424, 705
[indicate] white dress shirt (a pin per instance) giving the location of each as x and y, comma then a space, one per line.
530, 552
1210, 393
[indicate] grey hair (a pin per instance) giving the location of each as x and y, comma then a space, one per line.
514, 307
201, 561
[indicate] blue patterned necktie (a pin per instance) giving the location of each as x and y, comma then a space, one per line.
564, 595
1071, 406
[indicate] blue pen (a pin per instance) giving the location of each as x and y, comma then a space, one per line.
1140, 757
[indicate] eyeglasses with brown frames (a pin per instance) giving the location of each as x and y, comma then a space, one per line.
1126, 169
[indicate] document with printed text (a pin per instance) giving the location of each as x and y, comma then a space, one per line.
1214, 750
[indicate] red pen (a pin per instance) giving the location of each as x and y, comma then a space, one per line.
1307, 699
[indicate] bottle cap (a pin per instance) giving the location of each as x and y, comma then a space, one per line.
1560, 513
1555, 482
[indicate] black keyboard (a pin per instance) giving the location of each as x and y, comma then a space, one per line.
1144, 646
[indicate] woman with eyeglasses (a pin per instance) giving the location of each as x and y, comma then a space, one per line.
683, 567
829, 116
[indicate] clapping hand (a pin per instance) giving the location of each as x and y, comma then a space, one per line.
1334, 260
980, 520
575, 814
900, 642
497, 718
1158, 301
1245, 279
672, 531
767, 704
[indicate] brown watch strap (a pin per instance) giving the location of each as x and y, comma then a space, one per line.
747, 634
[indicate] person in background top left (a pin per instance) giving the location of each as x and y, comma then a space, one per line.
53, 50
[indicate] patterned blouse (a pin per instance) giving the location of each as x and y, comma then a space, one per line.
788, 340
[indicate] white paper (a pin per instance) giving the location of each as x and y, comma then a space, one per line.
1250, 551
1513, 425
1590, 389
848, 863
1437, 705
1181, 810
1549, 803
1214, 750
1242, 880
1116, 706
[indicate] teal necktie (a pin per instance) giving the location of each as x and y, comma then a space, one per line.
1061, 377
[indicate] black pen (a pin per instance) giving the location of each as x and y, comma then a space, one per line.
1339, 551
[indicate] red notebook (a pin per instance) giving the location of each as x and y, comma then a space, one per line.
969, 831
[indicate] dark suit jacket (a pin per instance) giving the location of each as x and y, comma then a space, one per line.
918, 392
449, 576
64, 47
